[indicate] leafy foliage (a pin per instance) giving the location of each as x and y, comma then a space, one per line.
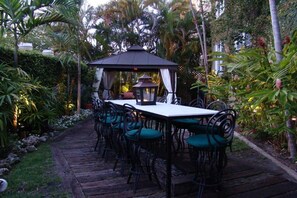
248, 16
252, 77
34, 91
23, 102
287, 16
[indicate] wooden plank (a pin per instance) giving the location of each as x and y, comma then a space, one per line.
90, 175
246, 186
121, 188
248, 179
269, 188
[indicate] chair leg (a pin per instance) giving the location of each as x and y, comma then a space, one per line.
154, 172
99, 136
201, 189
209, 167
115, 163
129, 177
178, 135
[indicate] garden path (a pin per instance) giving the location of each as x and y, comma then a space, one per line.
86, 174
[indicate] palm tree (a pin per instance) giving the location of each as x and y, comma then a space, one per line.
73, 38
19, 17
275, 30
278, 49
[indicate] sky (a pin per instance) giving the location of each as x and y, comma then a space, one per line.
95, 3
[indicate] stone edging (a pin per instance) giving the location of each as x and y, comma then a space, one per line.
287, 169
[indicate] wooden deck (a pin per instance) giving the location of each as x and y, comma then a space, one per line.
86, 174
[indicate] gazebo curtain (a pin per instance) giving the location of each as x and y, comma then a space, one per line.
97, 80
168, 84
108, 79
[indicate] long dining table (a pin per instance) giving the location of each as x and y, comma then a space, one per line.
167, 112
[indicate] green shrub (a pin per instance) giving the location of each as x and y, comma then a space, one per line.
250, 80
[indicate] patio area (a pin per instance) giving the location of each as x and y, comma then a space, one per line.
86, 174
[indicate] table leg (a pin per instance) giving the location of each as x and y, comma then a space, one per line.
168, 158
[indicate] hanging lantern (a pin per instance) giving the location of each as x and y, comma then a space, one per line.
145, 91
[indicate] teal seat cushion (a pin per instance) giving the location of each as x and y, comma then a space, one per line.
201, 129
145, 134
186, 121
201, 141
120, 125
111, 119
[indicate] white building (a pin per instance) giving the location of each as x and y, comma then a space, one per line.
25, 46
48, 52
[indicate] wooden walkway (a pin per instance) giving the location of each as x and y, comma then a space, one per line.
86, 174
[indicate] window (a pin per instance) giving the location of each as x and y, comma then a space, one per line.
220, 7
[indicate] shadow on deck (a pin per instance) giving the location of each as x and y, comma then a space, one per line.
86, 174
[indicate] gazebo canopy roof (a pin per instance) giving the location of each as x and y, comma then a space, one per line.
134, 59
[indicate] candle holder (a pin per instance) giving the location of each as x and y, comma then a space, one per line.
145, 91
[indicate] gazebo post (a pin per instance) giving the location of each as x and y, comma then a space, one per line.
172, 77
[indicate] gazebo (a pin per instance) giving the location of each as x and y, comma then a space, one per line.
135, 59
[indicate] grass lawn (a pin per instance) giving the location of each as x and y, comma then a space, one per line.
34, 176
238, 145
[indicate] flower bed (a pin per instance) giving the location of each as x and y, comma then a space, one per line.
30, 143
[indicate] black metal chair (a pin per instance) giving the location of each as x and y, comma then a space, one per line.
182, 124
119, 141
177, 101
208, 149
110, 117
143, 143
98, 113
198, 102
217, 105
163, 99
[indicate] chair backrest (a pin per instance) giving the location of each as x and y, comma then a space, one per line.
177, 101
217, 105
198, 102
97, 103
98, 109
132, 119
163, 99
113, 112
222, 124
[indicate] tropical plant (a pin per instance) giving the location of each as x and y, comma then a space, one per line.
72, 42
24, 103
19, 17
11, 84
263, 88
201, 34
287, 16
245, 16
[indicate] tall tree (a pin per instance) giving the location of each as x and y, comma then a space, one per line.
276, 30
72, 40
278, 50
201, 31
287, 16
19, 17
244, 16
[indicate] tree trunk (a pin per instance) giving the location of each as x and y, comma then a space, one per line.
68, 93
78, 83
276, 30
201, 40
278, 49
291, 140
16, 48
205, 55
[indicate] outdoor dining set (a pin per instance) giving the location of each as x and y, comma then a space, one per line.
137, 134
